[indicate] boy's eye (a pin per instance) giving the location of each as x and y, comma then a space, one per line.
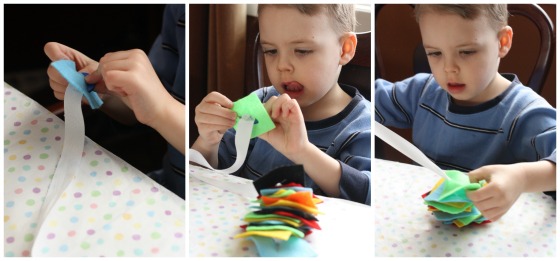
270, 52
433, 54
303, 51
469, 52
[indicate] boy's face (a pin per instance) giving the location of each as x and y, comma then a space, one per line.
463, 56
301, 53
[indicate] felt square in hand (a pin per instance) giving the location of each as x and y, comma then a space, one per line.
252, 105
449, 202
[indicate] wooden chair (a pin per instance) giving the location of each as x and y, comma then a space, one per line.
543, 60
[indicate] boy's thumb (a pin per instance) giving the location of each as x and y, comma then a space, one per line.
94, 77
55, 51
476, 175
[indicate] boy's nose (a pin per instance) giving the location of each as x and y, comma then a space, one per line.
284, 63
450, 66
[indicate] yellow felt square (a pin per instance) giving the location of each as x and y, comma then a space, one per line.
279, 234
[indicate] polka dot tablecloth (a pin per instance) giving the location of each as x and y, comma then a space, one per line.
109, 209
404, 227
215, 215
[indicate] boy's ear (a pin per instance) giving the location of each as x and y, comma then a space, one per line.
505, 36
349, 42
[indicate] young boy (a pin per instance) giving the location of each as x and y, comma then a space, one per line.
467, 116
304, 47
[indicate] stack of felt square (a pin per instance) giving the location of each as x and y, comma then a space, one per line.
284, 216
449, 203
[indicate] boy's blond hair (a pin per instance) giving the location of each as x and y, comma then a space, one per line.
497, 14
343, 17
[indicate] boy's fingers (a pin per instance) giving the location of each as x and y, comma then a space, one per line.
478, 175
218, 110
268, 104
477, 195
55, 52
219, 99
94, 77
55, 77
122, 55
277, 105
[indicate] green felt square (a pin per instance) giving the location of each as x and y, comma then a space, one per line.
456, 185
251, 105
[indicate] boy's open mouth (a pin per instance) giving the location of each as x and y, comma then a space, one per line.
293, 89
454, 87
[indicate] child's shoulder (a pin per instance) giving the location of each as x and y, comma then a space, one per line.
520, 95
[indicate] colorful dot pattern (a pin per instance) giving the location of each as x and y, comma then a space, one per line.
109, 209
403, 227
215, 215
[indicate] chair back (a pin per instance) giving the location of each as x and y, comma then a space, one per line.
544, 55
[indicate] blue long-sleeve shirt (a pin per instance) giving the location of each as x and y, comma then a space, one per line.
346, 137
517, 126
167, 56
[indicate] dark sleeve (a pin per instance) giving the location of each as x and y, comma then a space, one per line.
355, 162
551, 158
355, 185
167, 53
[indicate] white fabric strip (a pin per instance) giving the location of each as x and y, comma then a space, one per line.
406, 148
72, 149
242, 139
245, 189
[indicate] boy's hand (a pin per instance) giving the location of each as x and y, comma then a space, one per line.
213, 117
57, 51
505, 185
130, 75
290, 136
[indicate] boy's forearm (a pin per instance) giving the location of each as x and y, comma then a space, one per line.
324, 170
539, 176
172, 125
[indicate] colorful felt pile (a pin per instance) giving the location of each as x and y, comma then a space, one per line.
284, 216
449, 203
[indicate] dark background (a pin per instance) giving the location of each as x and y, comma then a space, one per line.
93, 30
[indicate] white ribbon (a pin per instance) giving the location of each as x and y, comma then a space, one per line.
406, 148
72, 149
242, 139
